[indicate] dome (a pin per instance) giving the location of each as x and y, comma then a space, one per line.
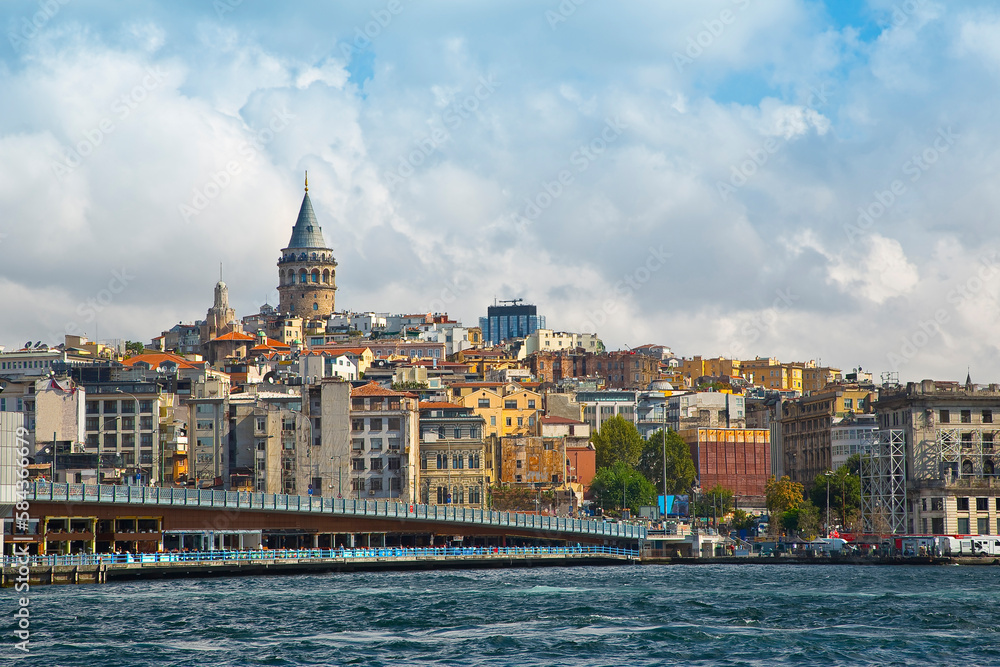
660, 385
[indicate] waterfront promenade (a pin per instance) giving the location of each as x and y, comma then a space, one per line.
101, 568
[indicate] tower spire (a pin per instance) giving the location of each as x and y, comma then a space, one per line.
307, 180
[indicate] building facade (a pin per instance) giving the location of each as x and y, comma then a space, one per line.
456, 463
514, 321
384, 444
734, 458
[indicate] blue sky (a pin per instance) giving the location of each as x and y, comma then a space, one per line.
820, 175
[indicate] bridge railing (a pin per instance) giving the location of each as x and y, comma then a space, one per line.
240, 500
316, 555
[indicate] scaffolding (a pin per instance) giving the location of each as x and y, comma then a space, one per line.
965, 453
883, 483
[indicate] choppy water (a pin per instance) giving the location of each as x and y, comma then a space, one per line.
651, 615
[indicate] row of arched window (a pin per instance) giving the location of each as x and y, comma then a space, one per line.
303, 277
304, 257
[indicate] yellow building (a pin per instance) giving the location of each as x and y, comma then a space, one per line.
696, 367
508, 409
481, 361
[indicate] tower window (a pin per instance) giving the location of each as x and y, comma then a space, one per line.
315, 306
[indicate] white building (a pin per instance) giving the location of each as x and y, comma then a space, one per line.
314, 366
849, 436
366, 323
547, 340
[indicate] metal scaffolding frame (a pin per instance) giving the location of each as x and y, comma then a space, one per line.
956, 447
883, 483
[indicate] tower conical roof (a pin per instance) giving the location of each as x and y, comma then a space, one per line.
307, 233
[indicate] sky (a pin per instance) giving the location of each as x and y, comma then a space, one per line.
791, 178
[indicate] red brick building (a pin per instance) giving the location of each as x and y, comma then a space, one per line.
736, 458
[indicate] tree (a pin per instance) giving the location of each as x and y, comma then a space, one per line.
681, 472
716, 502
804, 519
845, 493
610, 483
618, 440
782, 495
742, 520
133, 348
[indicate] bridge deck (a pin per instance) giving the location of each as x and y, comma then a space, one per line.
343, 507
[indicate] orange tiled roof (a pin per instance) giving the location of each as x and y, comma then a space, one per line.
375, 389
430, 405
233, 335
156, 359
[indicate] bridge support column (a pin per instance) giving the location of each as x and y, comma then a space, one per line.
315, 541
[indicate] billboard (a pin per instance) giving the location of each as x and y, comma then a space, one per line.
673, 505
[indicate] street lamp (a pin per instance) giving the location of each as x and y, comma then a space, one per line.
828, 474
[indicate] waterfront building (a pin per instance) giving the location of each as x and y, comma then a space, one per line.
599, 406
456, 461
951, 455
851, 435
738, 459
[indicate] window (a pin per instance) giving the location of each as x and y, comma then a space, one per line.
987, 416
945, 417
457, 433
261, 423
357, 484
357, 424
357, 465
963, 504
848, 403
484, 402
937, 526
966, 416
983, 525
519, 463
375, 443
357, 444
442, 461
393, 423
982, 504
493, 421
475, 495
394, 463
93, 423
110, 407
376, 464
963, 526
531, 404
375, 424
145, 406
457, 461
937, 504
520, 421
508, 421
510, 404
442, 495
394, 443
474, 462
517, 478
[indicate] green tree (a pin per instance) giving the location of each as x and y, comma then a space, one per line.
716, 502
680, 467
409, 384
845, 493
133, 347
742, 520
618, 440
610, 483
803, 518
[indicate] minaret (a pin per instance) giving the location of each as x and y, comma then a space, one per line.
307, 280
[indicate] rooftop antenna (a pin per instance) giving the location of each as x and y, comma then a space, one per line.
220, 272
